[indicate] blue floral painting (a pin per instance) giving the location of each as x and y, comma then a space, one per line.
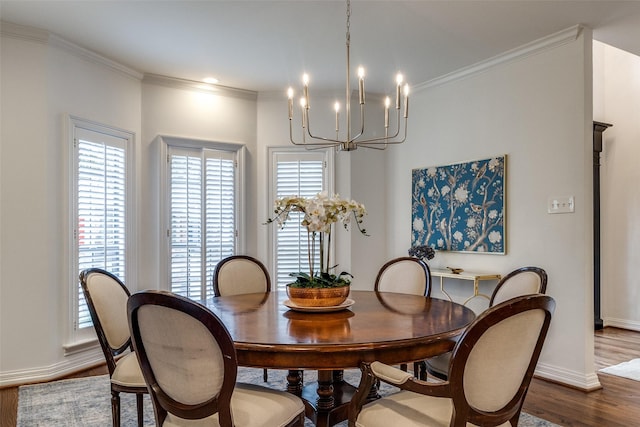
460, 207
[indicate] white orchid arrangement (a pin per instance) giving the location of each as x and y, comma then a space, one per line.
320, 213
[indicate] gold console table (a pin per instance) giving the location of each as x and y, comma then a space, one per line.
465, 275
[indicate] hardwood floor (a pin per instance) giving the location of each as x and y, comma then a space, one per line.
616, 404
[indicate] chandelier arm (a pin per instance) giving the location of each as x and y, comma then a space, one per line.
350, 143
304, 143
381, 140
373, 147
332, 141
322, 142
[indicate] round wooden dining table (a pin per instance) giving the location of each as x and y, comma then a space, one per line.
389, 327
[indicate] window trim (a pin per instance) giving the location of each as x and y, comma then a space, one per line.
79, 338
164, 142
328, 184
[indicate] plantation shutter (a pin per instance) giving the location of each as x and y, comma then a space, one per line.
296, 174
100, 207
202, 216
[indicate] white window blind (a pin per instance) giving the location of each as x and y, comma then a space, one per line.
202, 229
295, 174
100, 203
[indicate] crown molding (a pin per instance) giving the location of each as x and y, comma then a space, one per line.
543, 44
93, 57
177, 83
9, 29
23, 32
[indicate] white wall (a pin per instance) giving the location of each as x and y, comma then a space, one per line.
173, 108
617, 101
537, 110
43, 79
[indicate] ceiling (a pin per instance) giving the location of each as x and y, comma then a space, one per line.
267, 45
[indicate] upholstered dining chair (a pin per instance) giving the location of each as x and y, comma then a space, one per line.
489, 376
241, 274
106, 298
405, 275
519, 282
188, 360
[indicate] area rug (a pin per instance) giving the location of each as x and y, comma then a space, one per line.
630, 369
85, 402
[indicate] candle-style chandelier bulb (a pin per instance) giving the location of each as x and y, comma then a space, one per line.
352, 142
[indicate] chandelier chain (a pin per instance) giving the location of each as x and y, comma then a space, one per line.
348, 22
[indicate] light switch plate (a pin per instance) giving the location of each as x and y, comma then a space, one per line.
565, 204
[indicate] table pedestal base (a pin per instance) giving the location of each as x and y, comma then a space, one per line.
327, 400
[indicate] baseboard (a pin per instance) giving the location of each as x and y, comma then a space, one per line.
71, 364
574, 379
621, 323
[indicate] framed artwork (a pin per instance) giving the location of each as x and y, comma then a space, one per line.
460, 207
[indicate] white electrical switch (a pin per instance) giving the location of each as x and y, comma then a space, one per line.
557, 205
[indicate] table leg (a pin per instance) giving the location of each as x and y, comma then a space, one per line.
326, 401
442, 288
476, 292
294, 382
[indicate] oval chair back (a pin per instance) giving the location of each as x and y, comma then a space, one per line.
406, 275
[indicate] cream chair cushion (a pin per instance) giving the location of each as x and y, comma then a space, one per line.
406, 277
110, 302
128, 372
251, 405
193, 345
499, 360
189, 366
241, 276
492, 375
524, 283
417, 410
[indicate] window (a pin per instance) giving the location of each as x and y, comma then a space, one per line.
101, 215
203, 194
302, 173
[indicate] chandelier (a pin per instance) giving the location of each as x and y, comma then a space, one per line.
311, 141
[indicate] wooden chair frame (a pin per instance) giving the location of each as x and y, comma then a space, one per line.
162, 402
419, 368
232, 258
110, 353
453, 388
542, 274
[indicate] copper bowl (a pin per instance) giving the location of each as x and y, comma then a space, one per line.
318, 297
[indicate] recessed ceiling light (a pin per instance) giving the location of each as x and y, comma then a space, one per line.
210, 80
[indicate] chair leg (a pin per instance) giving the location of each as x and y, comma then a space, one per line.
420, 370
115, 408
139, 397
264, 375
